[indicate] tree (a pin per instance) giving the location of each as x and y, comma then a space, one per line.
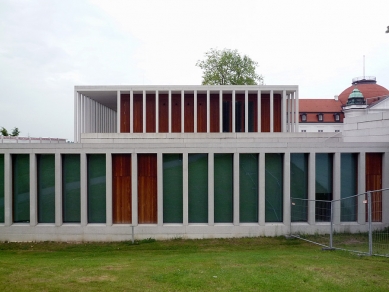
15, 132
228, 67
4, 131
387, 29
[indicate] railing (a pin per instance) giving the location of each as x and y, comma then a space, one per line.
367, 78
12, 139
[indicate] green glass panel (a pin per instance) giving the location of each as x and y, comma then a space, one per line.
21, 187
96, 188
172, 188
1, 188
273, 187
324, 165
223, 188
248, 187
349, 186
198, 188
46, 188
71, 188
299, 186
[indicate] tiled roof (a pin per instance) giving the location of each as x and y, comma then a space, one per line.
319, 105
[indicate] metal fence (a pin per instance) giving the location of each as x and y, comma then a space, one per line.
354, 223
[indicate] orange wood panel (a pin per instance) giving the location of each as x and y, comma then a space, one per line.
265, 113
277, 113
176, 113
253, 112
121, 188
374, 182
214, 125
163, 113
150, 113
138, 113
188, 113
201, 113
240, 112
125, 113
147, 188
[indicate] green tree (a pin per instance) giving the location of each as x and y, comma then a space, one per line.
15, 132
4, 131
228, 67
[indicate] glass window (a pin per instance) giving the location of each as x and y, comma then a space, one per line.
46, 188
96, 186
273, 187
349, 186
71, 188
223, 188
198, 188
324, 166
21, 187
248, 187
172, 188
299, 186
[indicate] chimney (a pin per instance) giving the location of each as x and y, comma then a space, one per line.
336, 97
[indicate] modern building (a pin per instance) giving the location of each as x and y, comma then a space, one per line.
189, 161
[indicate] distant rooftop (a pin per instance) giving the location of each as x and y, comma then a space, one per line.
364, 80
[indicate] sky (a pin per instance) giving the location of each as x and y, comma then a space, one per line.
49, 46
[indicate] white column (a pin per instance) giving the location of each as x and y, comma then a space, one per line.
170, 111
195, 110
385, 184
233, 130
336, 176
246, 111
283, 112
144, 111
221, 111
262, 189
271, 111
7, 189
236, 189
157, 111
134, 188
80, 118
76, 109
118, 112
160, 188
286, 191
185, 179
296, 119
58, 189
311, 187
84, 197
108, 188
182, 111
131, 111
292, 121
361, 187
208, 112
259, 114
211, 185
33, 191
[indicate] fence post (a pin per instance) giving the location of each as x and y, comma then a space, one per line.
291, 212
370, 225
332, 223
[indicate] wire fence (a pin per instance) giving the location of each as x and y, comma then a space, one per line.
353, 223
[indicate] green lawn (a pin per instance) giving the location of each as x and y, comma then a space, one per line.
246, 264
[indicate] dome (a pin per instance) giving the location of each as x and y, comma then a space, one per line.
367, 87
356, 97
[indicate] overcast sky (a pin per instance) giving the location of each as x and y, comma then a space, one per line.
48, 46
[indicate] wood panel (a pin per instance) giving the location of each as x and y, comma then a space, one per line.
150, 113
188, 113
277, 113
227, 112
214, 125
374, 182
121, 189
253, 112
138, 113
239, 112
163, 109
125, 113
176, 113
201, 113
147, 188
265, 113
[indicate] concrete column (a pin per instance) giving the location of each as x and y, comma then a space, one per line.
262, 182
211, 185
221, 111
259, 100
118, 112
182, 111
160, 188
80, 119
311, 187
195, 110
157, 111
8, 190
361, 188
131, 112
208, 112
108, 188
185, 179
286, 191
336, 176
233, 112
134, 188
84, 194
170, 111
292, 121
76, 109
144, 111
235, 184
385, 184
283, 112
58, 189
271, 111
33, 191
246, 111
296, 118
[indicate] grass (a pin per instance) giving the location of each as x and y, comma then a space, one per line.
246, 264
